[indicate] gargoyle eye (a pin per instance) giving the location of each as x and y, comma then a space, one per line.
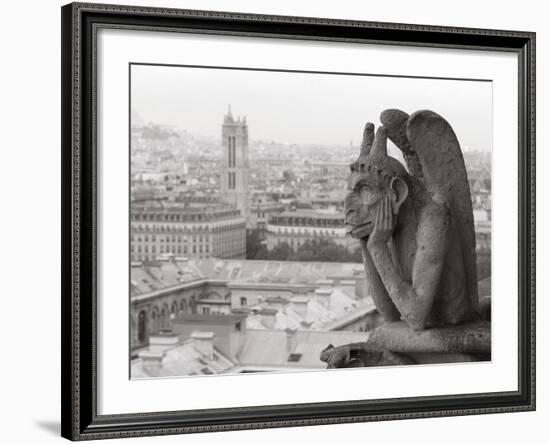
364, 187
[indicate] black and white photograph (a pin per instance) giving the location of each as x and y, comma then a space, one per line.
275, 222
286, 221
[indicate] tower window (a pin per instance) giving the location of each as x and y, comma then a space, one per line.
233, 146
230, 151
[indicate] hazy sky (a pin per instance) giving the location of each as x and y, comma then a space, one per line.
304, 107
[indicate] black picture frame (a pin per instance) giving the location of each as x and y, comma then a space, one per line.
79, 171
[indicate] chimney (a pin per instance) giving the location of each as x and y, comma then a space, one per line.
323, 296
182, 260
204, 343
347, 283
152, 361
325, 283
299, 304
268, 317
352, 285
291, 340
162, 342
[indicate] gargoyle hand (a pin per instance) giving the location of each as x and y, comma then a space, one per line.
383, 224
336, 357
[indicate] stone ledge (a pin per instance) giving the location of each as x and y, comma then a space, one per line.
398, 337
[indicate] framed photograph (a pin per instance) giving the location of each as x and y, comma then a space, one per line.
275, 221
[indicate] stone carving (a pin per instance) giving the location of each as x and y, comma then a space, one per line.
416, 230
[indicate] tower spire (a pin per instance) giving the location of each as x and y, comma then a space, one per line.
228, 117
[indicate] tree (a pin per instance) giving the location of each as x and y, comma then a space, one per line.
255, 247
314, 250
282, 252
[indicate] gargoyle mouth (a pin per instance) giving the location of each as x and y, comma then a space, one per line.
356, 230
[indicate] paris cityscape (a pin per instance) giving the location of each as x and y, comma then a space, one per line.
239, 256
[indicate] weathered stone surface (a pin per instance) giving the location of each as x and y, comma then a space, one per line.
361, 355
417, 235
416, 228
373, 320
398, 337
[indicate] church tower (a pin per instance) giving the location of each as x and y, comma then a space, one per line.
234, 175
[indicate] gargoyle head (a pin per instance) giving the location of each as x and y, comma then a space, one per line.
374, 175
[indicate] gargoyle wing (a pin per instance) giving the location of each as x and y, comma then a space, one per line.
395, 123
436, 146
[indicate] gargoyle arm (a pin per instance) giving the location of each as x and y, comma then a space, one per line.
376, 289
414, 302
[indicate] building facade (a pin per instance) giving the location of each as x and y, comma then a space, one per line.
235, 164
325, 296
297, 227
186, 229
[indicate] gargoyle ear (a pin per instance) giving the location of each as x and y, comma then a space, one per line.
400, 191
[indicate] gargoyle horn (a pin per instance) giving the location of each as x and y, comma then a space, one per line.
380, 144
368, 137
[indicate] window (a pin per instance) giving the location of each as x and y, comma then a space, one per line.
183, 306
244, 302
142, 326
205, 310
163, 319
154, 321
229, 151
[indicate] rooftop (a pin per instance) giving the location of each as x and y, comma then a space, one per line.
324, 312
179, 207
185, 359
272, 349
261, 350
164, 274
205, 319
311, 214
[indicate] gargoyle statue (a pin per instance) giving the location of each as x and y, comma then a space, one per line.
415, 224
